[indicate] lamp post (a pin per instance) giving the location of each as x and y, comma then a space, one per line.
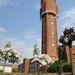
67, 38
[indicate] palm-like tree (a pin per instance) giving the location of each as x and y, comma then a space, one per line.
67, 38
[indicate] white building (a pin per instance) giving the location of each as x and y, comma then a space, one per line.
9, 67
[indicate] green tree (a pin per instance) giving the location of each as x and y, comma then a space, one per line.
61, 53
8, 45
66, 39
36, 50
9, 54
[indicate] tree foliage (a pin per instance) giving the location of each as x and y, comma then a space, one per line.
8, 45
67, 39
9, 54
42, 59
67, 68
61, 53
36, 50
68, 36
54, 67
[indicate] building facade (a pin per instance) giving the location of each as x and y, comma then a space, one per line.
24, 67
48, 15
9, 67
68, 53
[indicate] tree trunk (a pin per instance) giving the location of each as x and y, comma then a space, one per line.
4, 65
71, 59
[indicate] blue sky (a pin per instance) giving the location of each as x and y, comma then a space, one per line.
21, 25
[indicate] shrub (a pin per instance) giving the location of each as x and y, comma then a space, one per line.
67, 68
13, 70
1, 71
54, 67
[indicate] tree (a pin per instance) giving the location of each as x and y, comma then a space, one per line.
42, 59
67, 38
36, 50
9, 54
8, 45
61, 53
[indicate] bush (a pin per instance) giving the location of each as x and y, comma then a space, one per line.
13, 70
1, 71
67, 68
54, 67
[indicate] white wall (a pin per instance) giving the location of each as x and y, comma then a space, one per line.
7, 69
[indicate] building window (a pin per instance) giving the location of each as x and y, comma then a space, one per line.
52, 25
52, 3
43, 35
44, 6
52, 38
44, 21
43, 48
52, 28
52, 47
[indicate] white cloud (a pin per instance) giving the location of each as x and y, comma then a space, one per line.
20, 45
9, 2
14, 2
37, 6
2, 29
28, 52
68, 24
3, 2
69, 18
15, 43
31, 35
69, 14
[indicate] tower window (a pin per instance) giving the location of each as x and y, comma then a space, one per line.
52, 28
52, 25
52, 38
52, 47
44, 6
43, 36
52, 3
44, 21
43, 48
52, 42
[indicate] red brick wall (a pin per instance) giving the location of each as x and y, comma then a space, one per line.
46, 5
68, 53
26, 65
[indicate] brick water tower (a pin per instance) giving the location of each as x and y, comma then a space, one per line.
48, 15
